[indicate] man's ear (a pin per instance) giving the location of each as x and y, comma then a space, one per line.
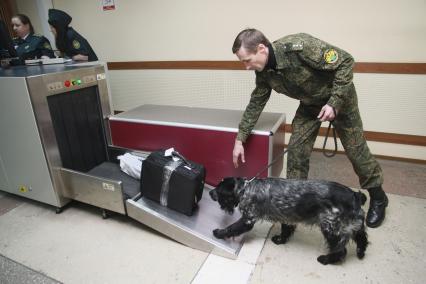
262, 48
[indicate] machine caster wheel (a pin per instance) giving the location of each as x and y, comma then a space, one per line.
58, 210
105, 214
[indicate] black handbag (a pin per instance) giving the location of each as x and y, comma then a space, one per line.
176, 184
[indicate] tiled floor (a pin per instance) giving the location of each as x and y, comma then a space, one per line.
396, 254
78, 246
401, 178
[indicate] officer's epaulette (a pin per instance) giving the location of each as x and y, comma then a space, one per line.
293, 46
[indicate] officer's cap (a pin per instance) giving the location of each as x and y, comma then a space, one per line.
59, 18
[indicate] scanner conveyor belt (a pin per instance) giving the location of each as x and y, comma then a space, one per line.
131, 186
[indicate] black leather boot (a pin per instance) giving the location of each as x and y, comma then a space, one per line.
377, 211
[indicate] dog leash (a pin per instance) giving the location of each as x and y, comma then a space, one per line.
246, 182
324, 151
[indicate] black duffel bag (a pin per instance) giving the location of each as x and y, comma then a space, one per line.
179, 185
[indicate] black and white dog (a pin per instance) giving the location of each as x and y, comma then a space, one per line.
335, 208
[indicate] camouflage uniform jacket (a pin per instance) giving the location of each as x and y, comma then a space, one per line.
309, 70
33, 46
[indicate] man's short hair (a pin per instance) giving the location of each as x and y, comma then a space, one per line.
249, 39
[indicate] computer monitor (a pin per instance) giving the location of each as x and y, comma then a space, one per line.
7, 50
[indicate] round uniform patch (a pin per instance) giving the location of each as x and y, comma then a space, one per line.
331, 56
76, 44
47, 45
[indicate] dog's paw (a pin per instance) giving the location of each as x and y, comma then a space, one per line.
279, 239
219, 233
360, 253
323, 259
333, 258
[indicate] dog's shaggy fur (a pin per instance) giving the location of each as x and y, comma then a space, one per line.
335, 208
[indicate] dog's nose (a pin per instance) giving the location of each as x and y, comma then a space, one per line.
213, 194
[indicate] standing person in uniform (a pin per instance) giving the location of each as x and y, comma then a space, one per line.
319, 75
29, 45
69, 42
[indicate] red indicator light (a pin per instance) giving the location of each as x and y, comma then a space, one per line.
67, 83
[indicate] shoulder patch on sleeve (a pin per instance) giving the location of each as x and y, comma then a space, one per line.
76, 44
47, 45
331, 56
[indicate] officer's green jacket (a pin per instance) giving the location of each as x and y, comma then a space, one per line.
77, 44
33, 46
307, 69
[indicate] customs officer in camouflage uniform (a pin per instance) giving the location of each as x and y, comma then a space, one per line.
319, 75
68, 40
29, 45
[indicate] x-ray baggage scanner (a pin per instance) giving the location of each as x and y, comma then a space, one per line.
60, 142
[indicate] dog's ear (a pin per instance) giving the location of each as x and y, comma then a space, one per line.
213, 195
228, 182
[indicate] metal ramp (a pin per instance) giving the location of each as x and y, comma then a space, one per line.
194, 231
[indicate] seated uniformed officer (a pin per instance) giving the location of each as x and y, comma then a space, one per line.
319, 75
68, 41
27, 44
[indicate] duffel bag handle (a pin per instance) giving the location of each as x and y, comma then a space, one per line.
199, 193
177, 154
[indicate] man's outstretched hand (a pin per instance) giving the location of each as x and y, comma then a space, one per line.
237, 153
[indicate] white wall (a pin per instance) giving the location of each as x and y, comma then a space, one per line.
162, 30
376, 31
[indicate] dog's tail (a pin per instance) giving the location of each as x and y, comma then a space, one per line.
360, 197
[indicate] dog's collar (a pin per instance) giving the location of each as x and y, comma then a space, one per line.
246, 182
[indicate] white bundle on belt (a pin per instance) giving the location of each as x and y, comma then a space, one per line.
131, 165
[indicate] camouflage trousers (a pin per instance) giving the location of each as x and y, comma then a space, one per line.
348, 126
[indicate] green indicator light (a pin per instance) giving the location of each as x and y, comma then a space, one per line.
79, 81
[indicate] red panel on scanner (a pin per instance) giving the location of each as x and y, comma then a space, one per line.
201, 135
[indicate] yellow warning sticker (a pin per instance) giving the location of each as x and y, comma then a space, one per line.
23, 189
